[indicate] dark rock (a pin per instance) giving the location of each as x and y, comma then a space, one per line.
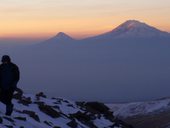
31, 114
56, 127
57, 102
39, 103
25, 101
80, 104
20, 118
48, 123
83, 118
18, 111
1, 120
80, 116
96, 107
49, 111
9, 119
99, 108
41, 94
8, 126
70, 105
65, 101
57, 107
72, 124
119, 122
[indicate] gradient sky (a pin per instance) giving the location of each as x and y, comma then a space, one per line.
79, 18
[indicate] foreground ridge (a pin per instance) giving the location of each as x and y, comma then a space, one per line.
38, 111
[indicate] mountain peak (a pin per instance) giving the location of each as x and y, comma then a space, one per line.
62, 35
132, 24
134, 28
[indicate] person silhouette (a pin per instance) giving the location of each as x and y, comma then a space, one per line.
9, 77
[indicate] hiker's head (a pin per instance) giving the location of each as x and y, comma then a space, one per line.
6, 59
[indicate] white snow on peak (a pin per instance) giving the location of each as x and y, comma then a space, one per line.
137, 29
131, 24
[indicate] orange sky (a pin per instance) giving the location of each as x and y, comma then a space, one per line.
43, 18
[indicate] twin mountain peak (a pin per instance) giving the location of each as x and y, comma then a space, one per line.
129, 28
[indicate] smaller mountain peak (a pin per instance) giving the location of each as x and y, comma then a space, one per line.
63, 36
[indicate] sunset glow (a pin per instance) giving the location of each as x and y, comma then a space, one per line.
43, 18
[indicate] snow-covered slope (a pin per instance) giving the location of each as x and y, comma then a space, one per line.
38, 111
132, 29
137, 29
140, 108
153, 114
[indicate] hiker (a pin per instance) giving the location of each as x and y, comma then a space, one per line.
9, 77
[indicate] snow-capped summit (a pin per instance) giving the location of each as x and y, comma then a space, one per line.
134, 28
131, 24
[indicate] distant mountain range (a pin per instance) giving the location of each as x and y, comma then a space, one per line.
128, 29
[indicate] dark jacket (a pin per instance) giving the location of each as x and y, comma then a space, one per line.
9, 76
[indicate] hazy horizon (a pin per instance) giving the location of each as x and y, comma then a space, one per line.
32, 40
42, 18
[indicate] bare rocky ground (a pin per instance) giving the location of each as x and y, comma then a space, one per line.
39, 111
